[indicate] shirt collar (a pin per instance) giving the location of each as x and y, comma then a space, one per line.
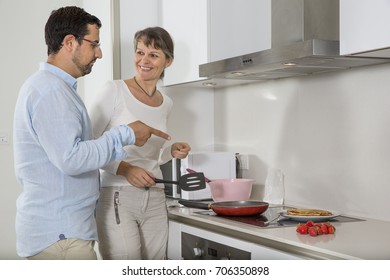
71, 81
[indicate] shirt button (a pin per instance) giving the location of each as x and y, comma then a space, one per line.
62, 236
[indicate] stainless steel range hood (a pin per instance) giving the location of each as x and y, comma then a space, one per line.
305, 41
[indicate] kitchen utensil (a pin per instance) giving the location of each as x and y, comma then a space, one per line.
189, 170
231, 189
230, 208
274, 219
188, 182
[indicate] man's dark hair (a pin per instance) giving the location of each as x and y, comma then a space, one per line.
64, 21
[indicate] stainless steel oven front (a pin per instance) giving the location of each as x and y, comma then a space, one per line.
199, 248
201, 244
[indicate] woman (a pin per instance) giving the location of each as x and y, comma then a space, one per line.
131, 214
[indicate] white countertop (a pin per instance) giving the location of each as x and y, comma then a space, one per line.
368, 239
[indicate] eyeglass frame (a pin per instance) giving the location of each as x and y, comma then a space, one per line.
94, 44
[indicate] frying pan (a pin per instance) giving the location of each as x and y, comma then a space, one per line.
230, 208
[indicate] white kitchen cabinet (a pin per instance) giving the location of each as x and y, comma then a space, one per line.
132, 17
174, 240
210, 30
364, 27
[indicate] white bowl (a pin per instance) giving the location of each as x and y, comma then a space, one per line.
231, 189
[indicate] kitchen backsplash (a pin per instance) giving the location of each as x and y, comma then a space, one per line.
329, 134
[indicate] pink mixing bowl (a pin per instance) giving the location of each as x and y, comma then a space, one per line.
231, 189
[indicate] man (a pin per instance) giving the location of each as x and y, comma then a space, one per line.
56, 157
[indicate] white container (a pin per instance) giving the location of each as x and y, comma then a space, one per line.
214, 165
231, 189
274, 187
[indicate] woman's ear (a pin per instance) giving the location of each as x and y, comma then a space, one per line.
169, 62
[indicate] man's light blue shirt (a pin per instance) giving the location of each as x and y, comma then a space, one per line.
57, 161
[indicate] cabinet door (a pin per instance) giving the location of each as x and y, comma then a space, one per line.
174, 241
238, 27
363, 25
186, 21
210, 30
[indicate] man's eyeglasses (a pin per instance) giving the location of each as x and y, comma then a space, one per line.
95, 45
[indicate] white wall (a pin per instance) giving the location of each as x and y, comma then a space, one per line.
192, 117
329, 133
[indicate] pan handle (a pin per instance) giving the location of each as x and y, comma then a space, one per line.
194, 204
166, 181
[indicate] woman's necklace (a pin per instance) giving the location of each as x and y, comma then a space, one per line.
150, 95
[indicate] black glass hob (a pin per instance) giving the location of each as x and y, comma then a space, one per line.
271, 218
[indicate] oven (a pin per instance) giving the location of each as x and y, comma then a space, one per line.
196, 246
195, 243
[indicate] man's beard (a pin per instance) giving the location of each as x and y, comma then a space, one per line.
84, 69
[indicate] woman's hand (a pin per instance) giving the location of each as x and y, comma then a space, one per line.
136, 176
180, 150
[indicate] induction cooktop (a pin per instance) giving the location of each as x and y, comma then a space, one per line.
273, 215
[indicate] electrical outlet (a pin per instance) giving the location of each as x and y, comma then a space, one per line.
244, 161
4, 137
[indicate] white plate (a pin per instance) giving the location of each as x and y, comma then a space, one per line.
309, 218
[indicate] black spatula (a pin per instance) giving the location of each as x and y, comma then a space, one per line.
188, 182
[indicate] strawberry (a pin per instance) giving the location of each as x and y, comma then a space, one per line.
313, 231
324, 228
331, 229
318, 226
309, 223
302, 229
